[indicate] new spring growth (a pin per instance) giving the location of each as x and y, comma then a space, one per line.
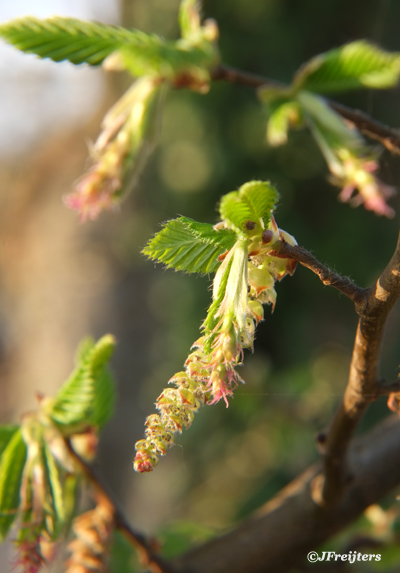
244, 281
129, 131
352, 163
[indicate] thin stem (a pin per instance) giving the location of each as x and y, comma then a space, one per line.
364, 123
148, 556
326, 275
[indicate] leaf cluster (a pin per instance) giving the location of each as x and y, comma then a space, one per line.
37, 447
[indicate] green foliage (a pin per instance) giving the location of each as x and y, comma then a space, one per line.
179, 536
165, 59
211, 320
189, 246
123, 557
69, 39
353, 66
6, 433
253, 202
56, 488
88, 42
12, 464
189, 18
87, 397
283, 115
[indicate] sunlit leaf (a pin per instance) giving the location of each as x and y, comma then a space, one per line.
74, 40
352, 66
253, 202
189, 17
6, 433
86, 397
189, 246
281, 118
12, 464
56, 488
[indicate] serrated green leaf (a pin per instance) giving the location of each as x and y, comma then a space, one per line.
70, 39
6, 433
104, 399
189, 246
353, 66
12, 464
282, 116
253, 202
189, 18
77, 402
56, 488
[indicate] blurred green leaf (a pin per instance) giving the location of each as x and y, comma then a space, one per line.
283, 115
253, 202
56, 489
87, 397
189, 246
12, 464
6, 433
69, 39
189, 18
353, 66
123, 557
167, 60
179, 536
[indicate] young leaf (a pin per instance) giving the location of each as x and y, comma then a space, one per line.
253, 202
282, 116
6, 433
104, 399
56, 489
69, 39
77, 402
189, 18
329, 122
167, 60
189, 246
12, 464
353, 66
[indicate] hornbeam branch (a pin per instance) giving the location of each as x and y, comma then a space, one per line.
363, 383
326, 275
281, 533
364, 123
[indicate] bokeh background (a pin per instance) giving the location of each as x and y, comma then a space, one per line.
61, 280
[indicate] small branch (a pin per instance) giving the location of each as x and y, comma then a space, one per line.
146, 553
328, 277
363, 383
281, 533
364, 123
370, 127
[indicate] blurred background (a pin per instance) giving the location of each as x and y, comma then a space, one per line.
61, 280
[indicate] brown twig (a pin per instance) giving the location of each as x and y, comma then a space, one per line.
143, 546
364, 123
363, 379
281, 533
326, 275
